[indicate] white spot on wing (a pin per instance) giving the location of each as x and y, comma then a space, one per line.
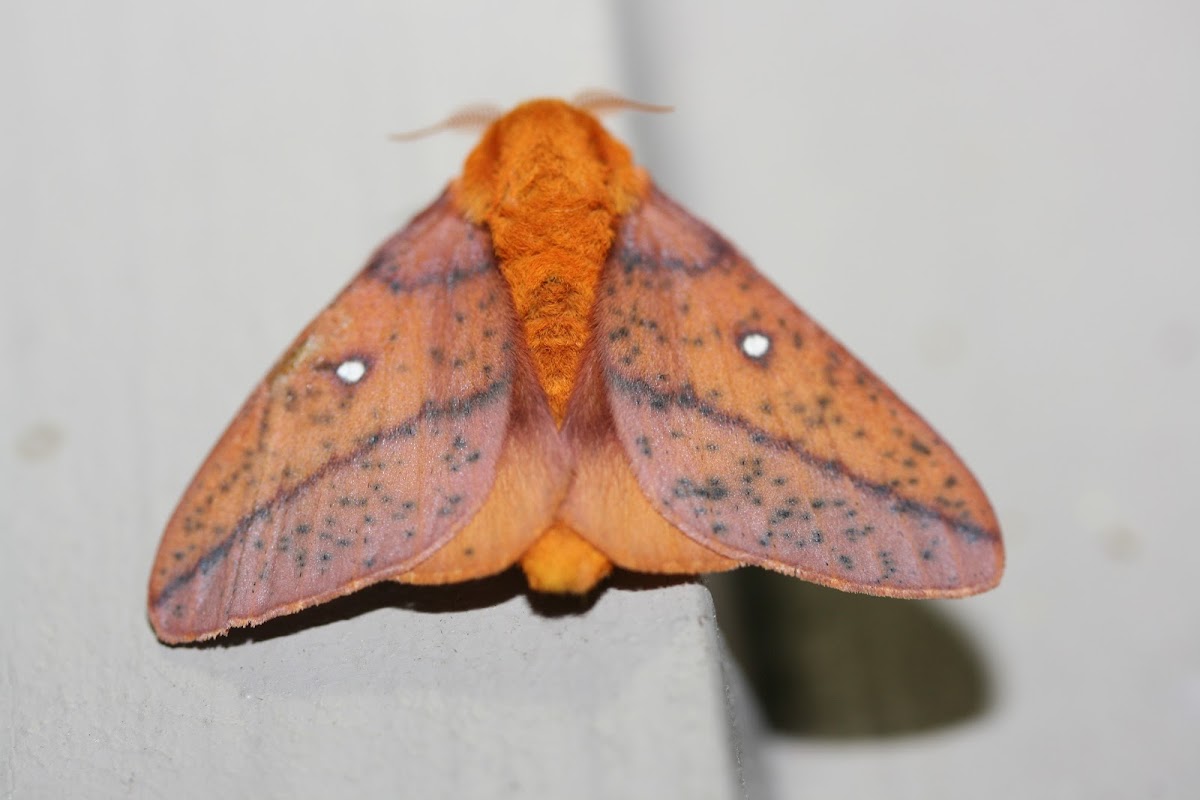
755, 345
351, 371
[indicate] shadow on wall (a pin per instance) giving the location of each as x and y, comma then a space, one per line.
454, 597
828, 664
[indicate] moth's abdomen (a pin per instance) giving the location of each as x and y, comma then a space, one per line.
553, 292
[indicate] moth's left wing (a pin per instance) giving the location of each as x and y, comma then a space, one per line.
759, 436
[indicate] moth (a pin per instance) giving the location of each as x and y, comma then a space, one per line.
557, 366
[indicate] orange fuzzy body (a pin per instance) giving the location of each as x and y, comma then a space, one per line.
550, 184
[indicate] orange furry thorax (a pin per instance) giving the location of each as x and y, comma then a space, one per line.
550, 184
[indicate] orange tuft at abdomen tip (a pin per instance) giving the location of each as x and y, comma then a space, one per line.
561, 561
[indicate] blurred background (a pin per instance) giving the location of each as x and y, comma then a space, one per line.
996, 206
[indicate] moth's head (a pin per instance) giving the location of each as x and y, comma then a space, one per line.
547, 142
